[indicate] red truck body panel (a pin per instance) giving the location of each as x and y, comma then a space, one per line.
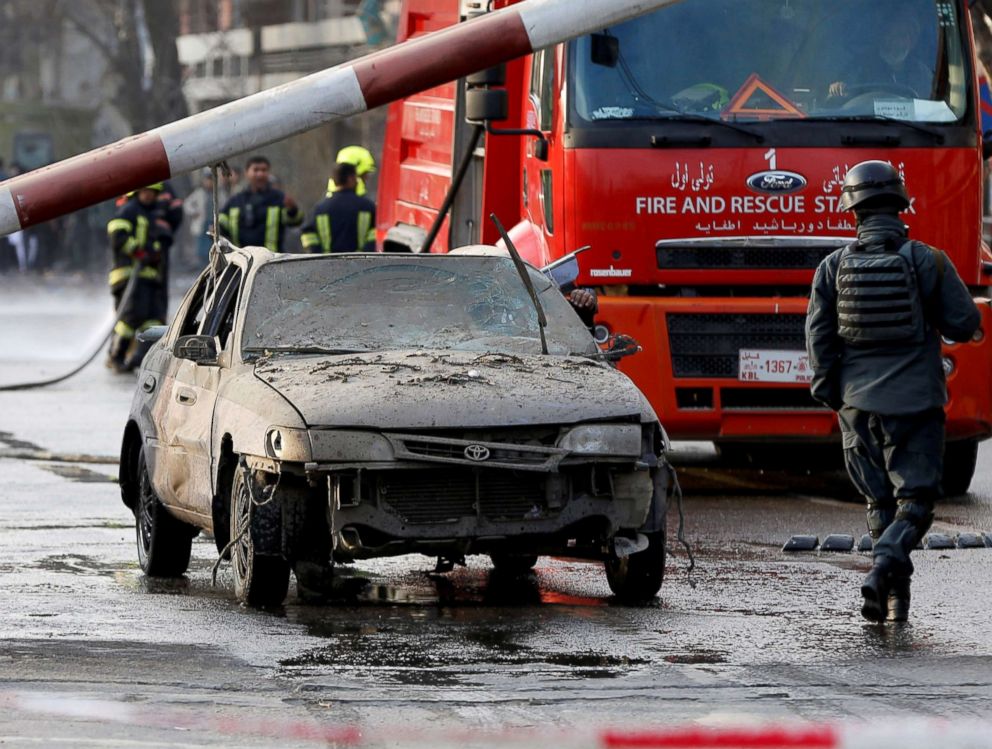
693, 306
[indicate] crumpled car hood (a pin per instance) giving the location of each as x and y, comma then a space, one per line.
445, 389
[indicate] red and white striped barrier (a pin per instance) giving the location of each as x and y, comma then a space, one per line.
371, 81
892, 734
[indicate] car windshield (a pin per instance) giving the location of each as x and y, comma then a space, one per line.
378, 302
758, 60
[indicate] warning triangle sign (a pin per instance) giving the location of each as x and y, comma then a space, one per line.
758, 100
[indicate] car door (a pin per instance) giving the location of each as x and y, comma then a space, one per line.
193, 397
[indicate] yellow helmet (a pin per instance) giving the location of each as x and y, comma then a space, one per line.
360, 156
156, 186
363, 161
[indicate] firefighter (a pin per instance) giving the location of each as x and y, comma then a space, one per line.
343, 221
876, 315
363, 161
139, 238
258, 215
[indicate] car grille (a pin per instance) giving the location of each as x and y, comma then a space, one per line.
436, 497
741, 258
708, 345
534, 457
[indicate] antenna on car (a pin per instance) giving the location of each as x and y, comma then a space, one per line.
542, 320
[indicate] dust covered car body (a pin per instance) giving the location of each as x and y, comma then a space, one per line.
308, 410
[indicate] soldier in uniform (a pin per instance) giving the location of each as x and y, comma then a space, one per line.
877, 312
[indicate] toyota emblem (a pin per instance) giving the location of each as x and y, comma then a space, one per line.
478, 453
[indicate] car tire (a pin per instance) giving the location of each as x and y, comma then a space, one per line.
637, 578
164, 542
960, 461
513, 564
260, 580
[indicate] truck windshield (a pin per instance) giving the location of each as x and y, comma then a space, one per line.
760, 60
377, 302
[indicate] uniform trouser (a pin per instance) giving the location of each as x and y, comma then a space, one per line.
896, 462
143, 309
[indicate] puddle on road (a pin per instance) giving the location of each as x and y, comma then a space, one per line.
80, 474
76, 564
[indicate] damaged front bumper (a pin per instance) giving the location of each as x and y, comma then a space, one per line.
566, 490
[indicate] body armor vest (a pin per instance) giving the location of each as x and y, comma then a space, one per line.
878, 298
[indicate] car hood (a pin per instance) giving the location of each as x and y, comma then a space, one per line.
445, 389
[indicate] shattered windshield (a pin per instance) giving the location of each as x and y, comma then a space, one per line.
759, 60
378, 302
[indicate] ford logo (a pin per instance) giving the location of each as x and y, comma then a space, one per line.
776, 183
478, 453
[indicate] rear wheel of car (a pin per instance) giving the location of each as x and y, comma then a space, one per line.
960, 460
259, 579
513, 564
637, 578
164, 543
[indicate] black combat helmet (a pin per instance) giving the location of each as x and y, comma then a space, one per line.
873, 184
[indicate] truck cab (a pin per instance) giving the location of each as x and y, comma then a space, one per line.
699, 152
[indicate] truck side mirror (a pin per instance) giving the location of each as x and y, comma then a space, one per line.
605, 50
486, 104
199, 349
489, 77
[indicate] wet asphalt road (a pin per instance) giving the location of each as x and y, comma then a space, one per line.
764, 634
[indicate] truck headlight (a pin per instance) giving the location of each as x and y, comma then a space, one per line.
283, 443
604, 439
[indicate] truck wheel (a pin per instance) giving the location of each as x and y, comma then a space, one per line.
164, 543
960, 460
637, 578
513, 564
260, 580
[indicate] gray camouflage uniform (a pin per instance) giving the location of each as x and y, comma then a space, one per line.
890, 399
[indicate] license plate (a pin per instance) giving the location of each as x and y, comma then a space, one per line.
757, 365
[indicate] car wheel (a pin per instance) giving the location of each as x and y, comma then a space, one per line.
164, 543
259, 579
960, 460
637, 578
513, 564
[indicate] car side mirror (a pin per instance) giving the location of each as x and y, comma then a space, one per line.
199, 349
620, 347
987, 145
153, 334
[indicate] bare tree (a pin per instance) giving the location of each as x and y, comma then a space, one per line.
138, 39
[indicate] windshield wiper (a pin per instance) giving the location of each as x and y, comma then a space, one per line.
303, 350
542, 320
674, 115
935, 134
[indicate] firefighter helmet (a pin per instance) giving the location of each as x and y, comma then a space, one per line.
156, 186
873, 184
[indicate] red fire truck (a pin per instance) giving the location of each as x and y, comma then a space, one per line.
699, 152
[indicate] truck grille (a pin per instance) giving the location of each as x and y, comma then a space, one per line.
741, 258
708, 345
435, 497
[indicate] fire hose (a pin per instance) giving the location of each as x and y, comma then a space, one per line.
37, 384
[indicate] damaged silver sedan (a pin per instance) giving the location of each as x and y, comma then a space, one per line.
314, 410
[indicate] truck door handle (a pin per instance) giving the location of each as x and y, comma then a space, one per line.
148, 385
186, 397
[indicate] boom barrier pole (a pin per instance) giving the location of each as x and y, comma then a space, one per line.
371, 81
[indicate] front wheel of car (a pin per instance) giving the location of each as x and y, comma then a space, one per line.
164, 542
637, 578
260, 580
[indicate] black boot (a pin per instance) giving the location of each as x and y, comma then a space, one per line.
898, 601
875, 591
117, 354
